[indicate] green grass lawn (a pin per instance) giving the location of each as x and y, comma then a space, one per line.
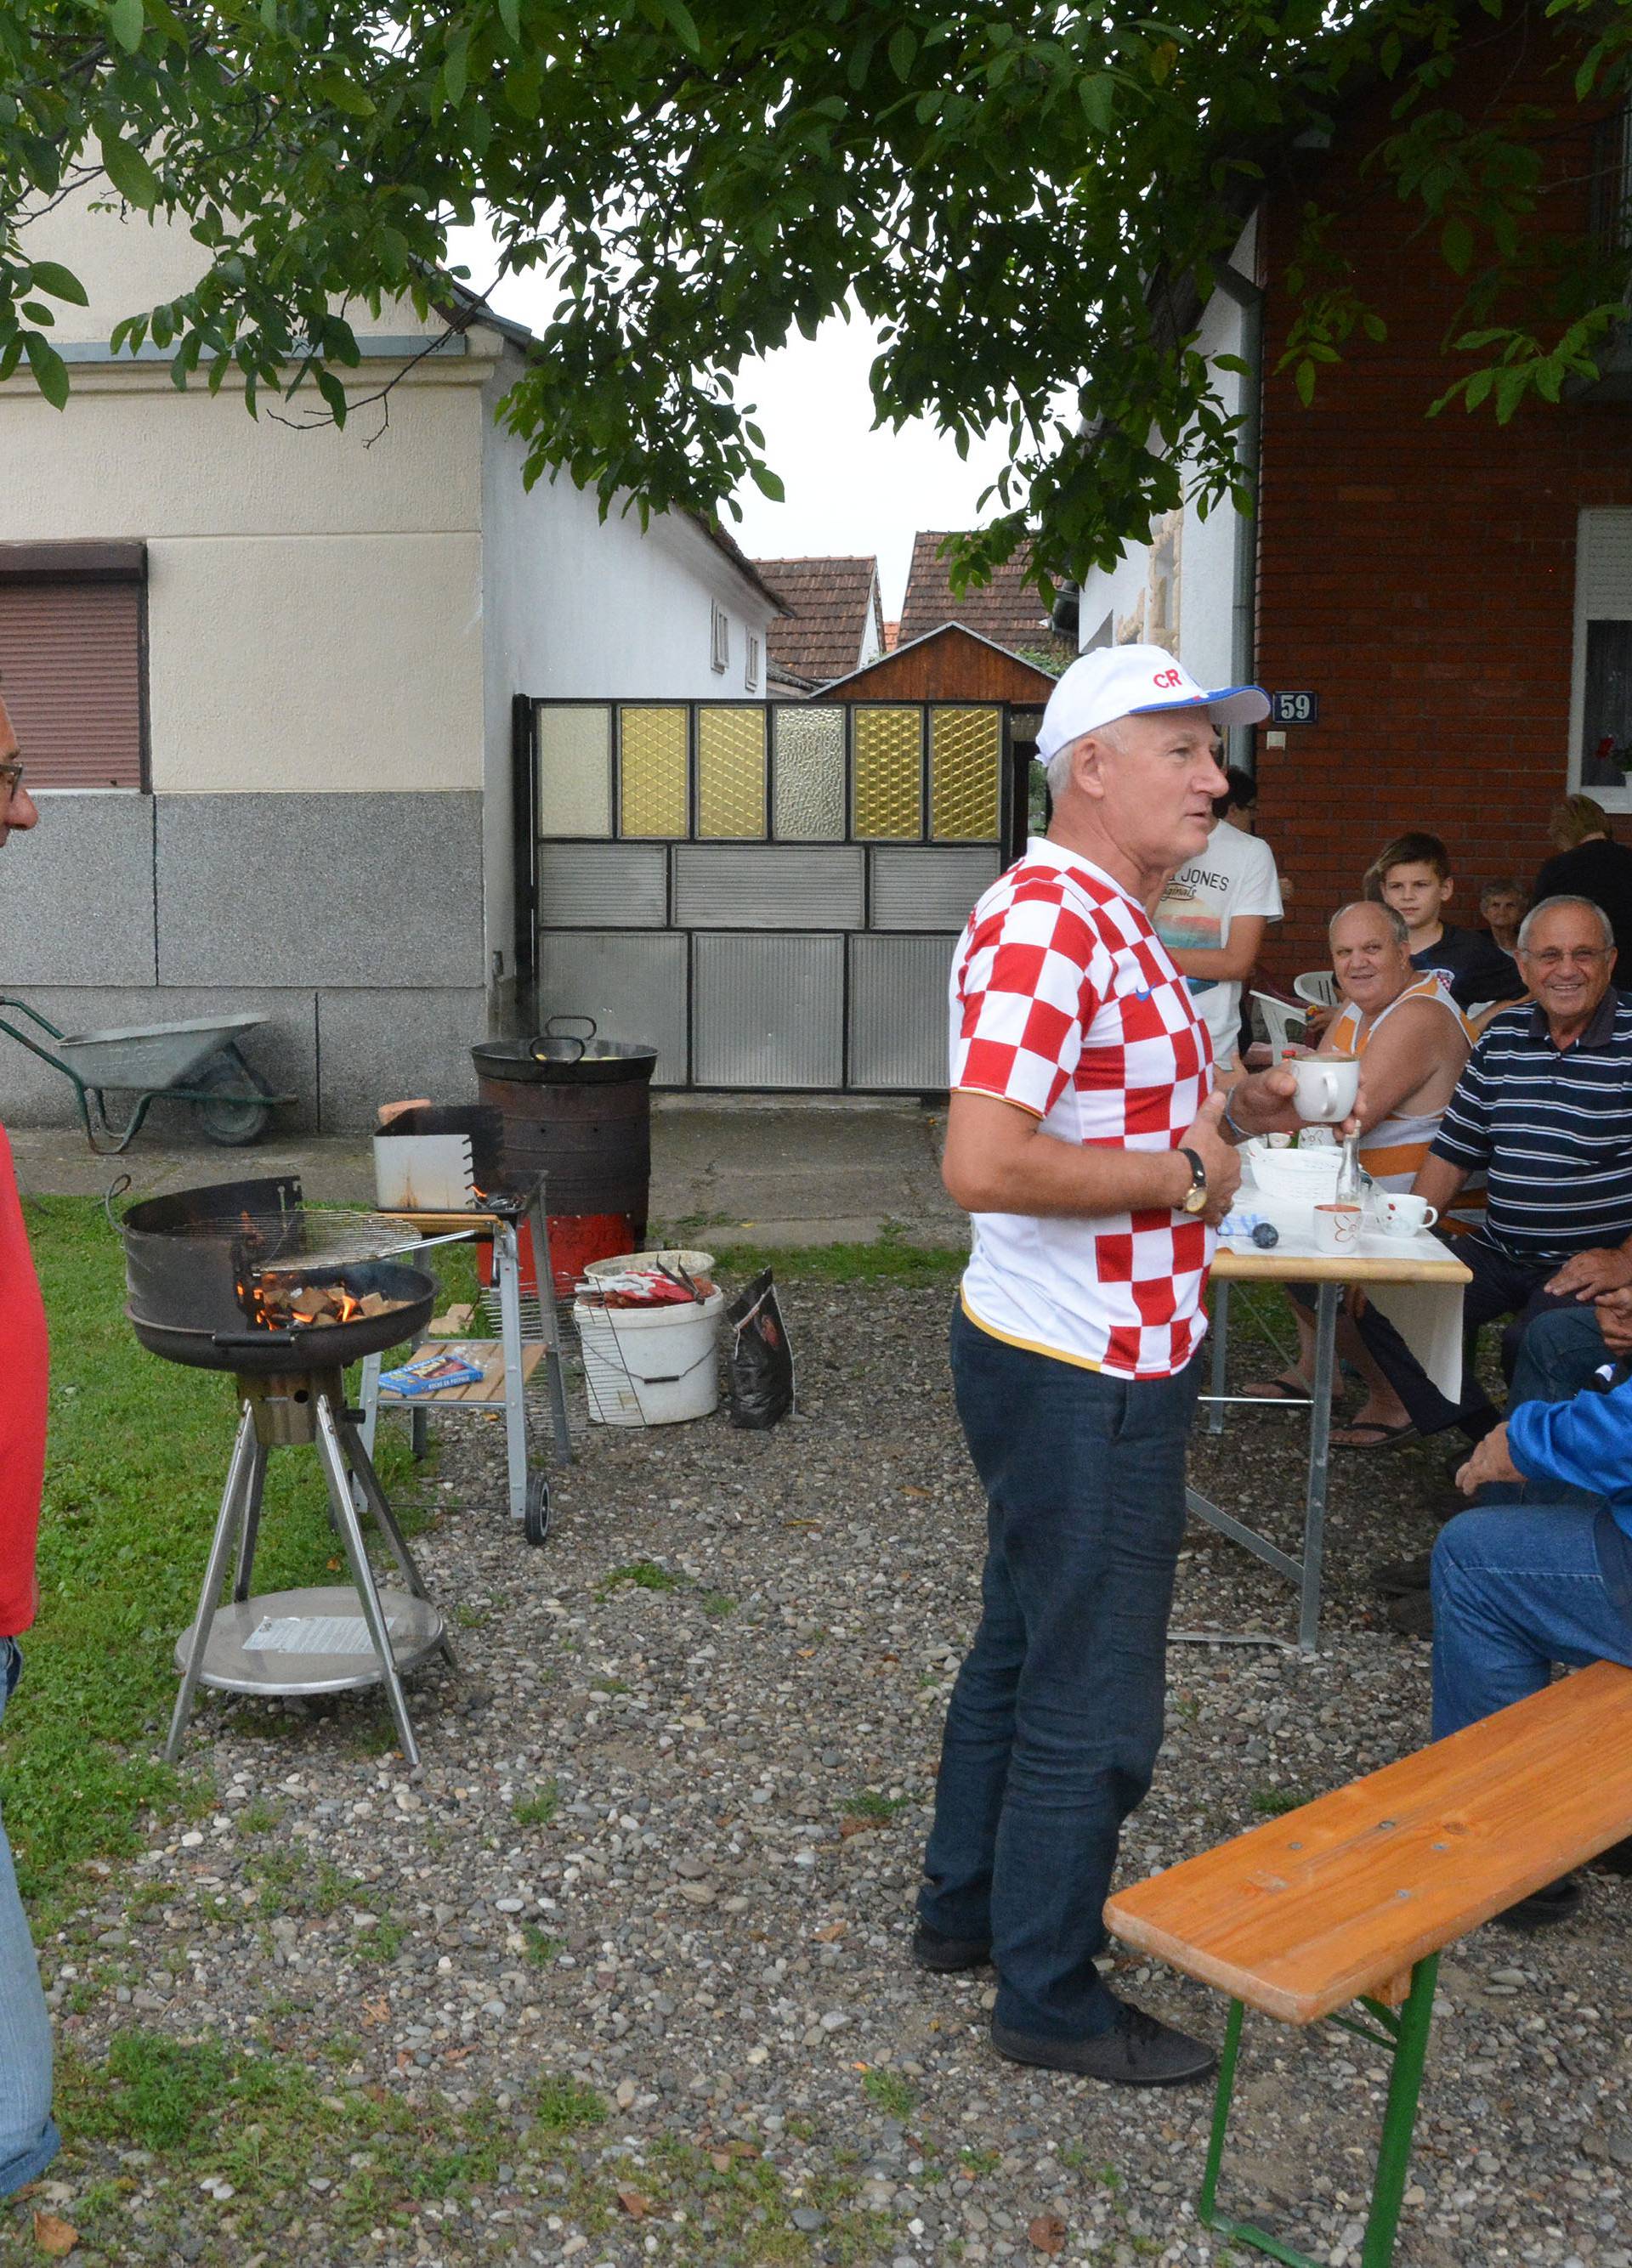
137, 1457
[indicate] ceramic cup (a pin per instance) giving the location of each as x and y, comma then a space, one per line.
1337, 1227
1326, 1086
1404, 1215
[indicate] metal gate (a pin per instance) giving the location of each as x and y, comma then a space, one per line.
766, 892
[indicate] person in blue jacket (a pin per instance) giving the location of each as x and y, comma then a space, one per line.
1518, 1587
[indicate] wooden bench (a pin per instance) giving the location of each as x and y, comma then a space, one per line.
1353, 1897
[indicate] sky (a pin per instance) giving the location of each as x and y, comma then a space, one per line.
848, 488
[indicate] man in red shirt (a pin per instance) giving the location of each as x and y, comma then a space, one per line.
1083, 1137
28, 2137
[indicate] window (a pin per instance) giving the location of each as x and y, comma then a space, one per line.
720, 634
1601, 707
750, 668
73, 660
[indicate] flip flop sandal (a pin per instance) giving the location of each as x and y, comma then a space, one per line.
1383, 1436
1275, 1389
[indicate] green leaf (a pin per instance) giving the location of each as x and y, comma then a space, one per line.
129, 170
50, 371
455, 68
766, 482
903, 48
334, 394
62, 283
333, 84
1456, 244
1098, 96
510, 17
1305, 381
127, 22
1477, 386
681, 18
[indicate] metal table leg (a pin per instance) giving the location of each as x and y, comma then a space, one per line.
232, 1497
1221, 1351
362, 1576
506, 1256
1320, 1464
550, 1317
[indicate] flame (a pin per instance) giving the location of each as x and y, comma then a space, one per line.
349, 1307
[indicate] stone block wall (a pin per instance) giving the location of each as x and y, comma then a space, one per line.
352, 923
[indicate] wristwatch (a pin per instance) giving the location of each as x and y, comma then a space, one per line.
1194, 1199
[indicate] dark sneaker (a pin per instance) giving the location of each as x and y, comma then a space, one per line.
1543, 1909
932, 1948
1138, 2050
1394, 1576
1411, 1614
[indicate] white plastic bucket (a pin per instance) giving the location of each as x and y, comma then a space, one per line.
695, 1263
650, 1365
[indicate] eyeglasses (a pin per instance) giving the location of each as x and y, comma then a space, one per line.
1552, 956
11, 779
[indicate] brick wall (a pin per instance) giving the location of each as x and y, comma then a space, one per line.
1418, 573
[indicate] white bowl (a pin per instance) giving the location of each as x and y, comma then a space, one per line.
1310, 1174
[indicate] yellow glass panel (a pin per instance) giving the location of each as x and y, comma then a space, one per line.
652, 772
731, 773
888, 775
964, 747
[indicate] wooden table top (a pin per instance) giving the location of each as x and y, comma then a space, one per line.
1336, 1899
1304, 1265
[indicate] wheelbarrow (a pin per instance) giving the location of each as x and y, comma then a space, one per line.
196, 1061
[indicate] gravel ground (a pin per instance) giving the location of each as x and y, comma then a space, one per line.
623, 1977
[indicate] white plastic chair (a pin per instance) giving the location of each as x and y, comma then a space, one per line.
1280, 1018
1317, 986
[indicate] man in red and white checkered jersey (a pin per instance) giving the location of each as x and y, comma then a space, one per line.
1084, 1139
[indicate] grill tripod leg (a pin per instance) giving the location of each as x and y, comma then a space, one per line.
233, 1496
247, 1542
508, 1269
377, 1501
363, 1577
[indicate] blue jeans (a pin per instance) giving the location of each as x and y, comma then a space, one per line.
1517, 1589
1056, 1718
28, 2137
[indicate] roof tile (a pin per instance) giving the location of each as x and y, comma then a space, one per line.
1007, 609
830, 600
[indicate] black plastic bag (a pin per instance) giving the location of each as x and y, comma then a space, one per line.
759, 1365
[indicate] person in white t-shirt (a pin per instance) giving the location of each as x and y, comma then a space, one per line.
1212, 916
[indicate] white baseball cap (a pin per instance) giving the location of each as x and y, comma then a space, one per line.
1135, 681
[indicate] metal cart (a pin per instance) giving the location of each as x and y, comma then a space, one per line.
197, 1062
508, 1362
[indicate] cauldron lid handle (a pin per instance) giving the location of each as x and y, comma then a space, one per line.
539, 1047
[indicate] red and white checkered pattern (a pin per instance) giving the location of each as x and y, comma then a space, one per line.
1064, 1002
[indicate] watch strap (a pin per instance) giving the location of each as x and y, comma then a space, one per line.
1198, 1173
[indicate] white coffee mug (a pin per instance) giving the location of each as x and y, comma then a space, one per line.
1337, 1227
1326, 1086
1402, 1214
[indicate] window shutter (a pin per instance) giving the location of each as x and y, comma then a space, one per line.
1607, 565
71, 673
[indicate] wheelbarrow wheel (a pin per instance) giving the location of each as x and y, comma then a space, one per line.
236, 1111
536, 1523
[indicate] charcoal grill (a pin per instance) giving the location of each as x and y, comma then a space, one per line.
206, 1270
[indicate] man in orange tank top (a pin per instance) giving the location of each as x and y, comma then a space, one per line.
28, 2138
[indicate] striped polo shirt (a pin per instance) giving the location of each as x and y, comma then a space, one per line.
1551, 1128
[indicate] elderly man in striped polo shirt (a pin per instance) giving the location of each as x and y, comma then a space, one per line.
1544, 1109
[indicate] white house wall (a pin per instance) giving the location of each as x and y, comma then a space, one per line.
311, 847
576, 608
1207, 547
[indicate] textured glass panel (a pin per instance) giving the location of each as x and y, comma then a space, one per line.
731, 773
809, 774
575, 771
652, 746
889, 786
964, 747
